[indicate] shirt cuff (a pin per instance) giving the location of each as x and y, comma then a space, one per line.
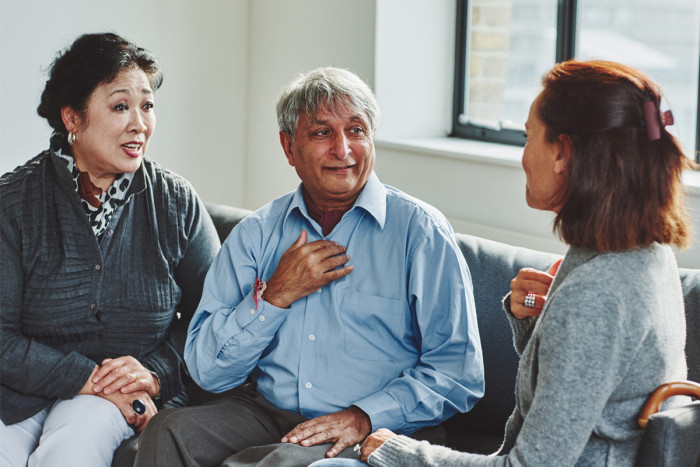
263, 320
383, 411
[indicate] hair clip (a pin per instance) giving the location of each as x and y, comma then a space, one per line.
666, 118
654, 119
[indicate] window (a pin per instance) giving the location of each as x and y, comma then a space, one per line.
504, 47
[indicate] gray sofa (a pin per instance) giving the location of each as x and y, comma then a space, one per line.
492, 266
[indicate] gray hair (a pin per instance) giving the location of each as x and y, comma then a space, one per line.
328, 88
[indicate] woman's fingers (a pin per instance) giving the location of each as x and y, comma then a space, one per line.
554, 267
529, 290
121, 372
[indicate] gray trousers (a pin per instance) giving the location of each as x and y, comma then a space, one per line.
220, 432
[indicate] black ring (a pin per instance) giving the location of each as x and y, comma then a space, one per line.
138, 406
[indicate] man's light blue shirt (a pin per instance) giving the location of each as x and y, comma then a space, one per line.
397, 337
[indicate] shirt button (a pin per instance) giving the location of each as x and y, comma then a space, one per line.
226, 344
261, 318
252, 312
97, 267
307, 385
93, 306
319, 290
312, 337
110, 232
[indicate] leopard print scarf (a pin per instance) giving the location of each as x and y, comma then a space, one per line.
100, 215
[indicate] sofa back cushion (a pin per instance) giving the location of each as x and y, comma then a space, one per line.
225, 218
690, 278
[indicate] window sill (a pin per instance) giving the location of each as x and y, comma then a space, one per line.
457, 148
479, 151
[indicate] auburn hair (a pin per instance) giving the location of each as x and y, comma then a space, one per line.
621, 190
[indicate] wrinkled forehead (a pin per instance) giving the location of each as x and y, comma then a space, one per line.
131, 77
341, 107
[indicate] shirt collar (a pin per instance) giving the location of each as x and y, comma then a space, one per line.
372, 199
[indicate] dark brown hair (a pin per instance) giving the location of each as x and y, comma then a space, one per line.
621, 191
91, 60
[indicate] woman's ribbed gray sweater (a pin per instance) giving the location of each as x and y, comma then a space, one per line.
67, 301
612, 330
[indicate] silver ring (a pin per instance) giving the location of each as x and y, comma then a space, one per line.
357, 449
530, 300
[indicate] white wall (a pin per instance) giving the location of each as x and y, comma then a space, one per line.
287, 38
414, 67
201, 108
225, 62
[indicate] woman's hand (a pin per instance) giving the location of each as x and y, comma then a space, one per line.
374, 442
532, 281
126, 375
123, 399
123, 402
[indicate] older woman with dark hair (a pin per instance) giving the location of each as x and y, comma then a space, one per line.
600, 331
103, 257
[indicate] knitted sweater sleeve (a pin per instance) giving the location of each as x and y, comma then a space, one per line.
407, 452
522, 328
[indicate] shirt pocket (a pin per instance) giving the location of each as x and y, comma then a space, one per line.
373, 326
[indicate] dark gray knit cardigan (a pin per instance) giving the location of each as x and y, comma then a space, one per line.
67, 301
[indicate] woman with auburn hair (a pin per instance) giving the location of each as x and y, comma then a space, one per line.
600, 330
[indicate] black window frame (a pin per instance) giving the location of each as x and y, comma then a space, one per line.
565, 49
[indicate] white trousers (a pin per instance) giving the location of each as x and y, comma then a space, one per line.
83, 431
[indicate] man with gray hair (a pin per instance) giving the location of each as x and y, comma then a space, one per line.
340, 308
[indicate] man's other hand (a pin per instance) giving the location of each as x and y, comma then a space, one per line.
345, 428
